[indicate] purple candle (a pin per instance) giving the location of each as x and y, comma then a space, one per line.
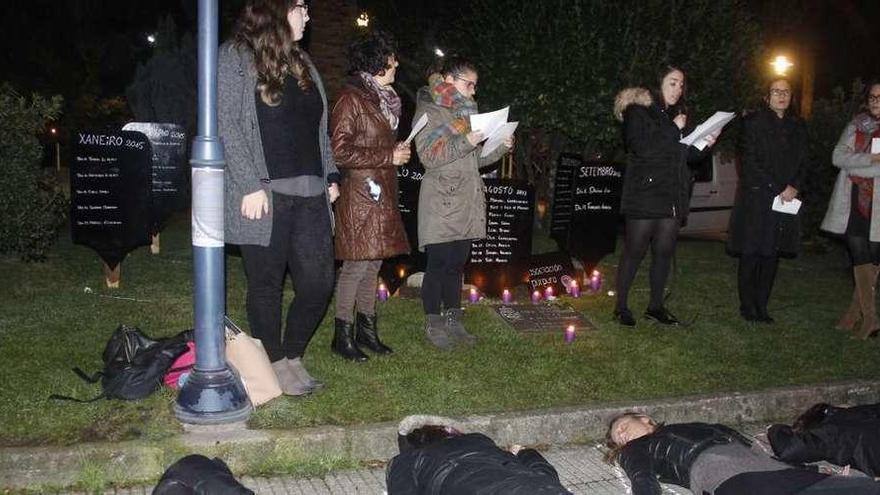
474, 296
548, 293
382, 292
569, 334
536, 296
596, 281
574, 289
506, 297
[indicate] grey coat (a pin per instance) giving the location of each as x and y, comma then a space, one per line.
240, 132
850, 162
452, 204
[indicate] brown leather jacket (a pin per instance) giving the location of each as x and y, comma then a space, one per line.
368, 223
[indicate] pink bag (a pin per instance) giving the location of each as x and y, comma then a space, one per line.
182, 365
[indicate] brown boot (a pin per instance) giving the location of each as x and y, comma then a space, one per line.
851, 316
866, 278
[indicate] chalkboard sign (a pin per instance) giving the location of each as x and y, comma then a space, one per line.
170, 172
499, 261
551, 270
586, 204
110, 192
551, 318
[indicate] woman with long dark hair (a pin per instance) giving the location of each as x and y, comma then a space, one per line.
774, 161
281, 179
369, 227
851, 210
656, 186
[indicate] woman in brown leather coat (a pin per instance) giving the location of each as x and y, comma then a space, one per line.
368, 227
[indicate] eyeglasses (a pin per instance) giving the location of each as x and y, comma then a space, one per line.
873, 98
470, 84
780, 92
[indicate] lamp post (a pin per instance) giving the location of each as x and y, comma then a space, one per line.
54, 132
212, 394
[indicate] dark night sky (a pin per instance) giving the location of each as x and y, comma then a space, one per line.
61, 46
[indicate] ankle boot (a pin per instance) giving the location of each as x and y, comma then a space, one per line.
866, 278
288, 381
343, 342
435, 330
367, 336
455, 328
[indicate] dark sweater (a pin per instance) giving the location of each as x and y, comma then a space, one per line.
289, 132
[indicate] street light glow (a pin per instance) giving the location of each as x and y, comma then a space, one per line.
151, 39
363, 20
53, 131
781, 64
439, 52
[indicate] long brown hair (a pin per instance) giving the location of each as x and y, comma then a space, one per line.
263, 28
613, 452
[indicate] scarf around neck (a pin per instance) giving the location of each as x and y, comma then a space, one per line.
445, 95
867, 128
389, 101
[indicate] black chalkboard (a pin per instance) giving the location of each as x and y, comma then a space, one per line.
499, 261
170, 172
546, 318
551, 270
586, 207
110, 192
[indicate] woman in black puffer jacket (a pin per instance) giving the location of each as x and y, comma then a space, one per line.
711, 459
656, 186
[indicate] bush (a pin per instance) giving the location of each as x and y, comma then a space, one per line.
32, 205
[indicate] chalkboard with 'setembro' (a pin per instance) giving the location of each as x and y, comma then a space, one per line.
110, 192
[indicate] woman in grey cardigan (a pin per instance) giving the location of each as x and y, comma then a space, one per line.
851, 210
281, 179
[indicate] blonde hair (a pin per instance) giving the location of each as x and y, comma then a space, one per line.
613, 453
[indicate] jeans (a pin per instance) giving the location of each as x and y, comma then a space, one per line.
301, 244
443, 275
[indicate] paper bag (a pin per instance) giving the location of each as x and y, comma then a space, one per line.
247, 355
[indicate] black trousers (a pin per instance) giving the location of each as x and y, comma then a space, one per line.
755, 277
443, 275
302, 245
661, 235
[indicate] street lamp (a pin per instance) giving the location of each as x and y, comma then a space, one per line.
151, 39
54, 132
439, 52
781, 64
363, 20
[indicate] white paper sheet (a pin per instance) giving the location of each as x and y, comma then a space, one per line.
489, 123
790, 207
697, 138
498, 137
875, 145
418, 126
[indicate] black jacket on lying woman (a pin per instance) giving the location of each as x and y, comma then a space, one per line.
840, 435
471, 464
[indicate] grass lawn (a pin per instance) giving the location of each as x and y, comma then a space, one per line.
58, 314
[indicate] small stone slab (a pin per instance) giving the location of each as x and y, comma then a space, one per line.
542, 317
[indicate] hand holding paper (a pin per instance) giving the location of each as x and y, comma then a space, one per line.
494, 127
790, 207
712, 126
418, 126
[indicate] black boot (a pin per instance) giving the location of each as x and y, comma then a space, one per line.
343, 342
366, 334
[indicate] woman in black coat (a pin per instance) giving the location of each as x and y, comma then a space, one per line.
656, 186
774, 158
440, 460
711, 459
846, 436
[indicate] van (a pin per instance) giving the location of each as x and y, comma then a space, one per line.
712, 196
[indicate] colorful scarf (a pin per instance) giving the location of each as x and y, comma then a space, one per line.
445, 95
867, 128
389, 101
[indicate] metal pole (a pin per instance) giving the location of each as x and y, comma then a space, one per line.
212, 394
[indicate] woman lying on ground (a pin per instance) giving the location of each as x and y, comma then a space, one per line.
437, 458
846, 436
711, 459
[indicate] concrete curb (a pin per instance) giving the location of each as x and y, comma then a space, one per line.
247, 451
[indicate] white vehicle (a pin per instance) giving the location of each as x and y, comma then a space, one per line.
712, 197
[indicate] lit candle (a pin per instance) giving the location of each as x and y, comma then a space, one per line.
536, 296
596, 281
574, 289
548, 293
382, 292
505, 296
474, 296
569, 334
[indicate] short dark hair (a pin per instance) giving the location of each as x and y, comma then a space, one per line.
456, 65
370, 52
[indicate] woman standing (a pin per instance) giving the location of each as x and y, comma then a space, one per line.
369, 228
452, 204
280, 181
774, 153
656, 187
851, 210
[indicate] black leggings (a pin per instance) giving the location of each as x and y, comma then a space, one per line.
862, 250
661, 234
442, 282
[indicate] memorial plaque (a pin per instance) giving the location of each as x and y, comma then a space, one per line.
110, 193
551, 270
499, 261
551, 318
170, 172
586, 206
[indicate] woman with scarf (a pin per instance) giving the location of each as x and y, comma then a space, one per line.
774, 160
452, 204
851, 210
280, 179
369, 228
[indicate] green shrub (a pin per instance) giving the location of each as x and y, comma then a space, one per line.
32, 205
